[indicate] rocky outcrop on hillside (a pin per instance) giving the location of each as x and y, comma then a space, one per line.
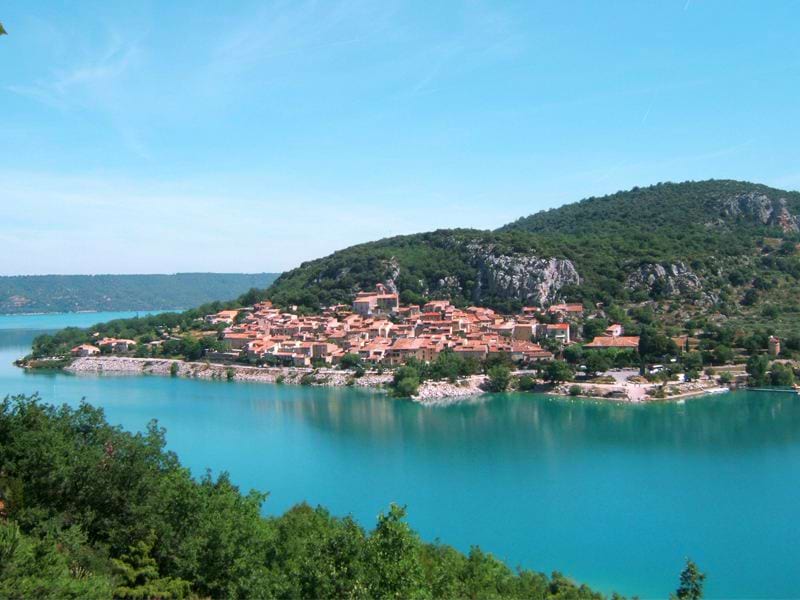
761, 209
525, 277
665, 280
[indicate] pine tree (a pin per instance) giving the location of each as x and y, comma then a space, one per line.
692, 580
139, 576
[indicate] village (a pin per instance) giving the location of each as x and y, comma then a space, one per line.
379, 330
376, 332
545, 348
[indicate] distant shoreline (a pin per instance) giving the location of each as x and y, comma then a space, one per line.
93, 312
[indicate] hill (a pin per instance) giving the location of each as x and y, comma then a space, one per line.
714, 247
69, 293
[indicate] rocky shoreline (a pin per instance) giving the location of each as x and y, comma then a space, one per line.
430, 392
204, 370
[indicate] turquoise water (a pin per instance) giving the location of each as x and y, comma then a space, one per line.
612, 495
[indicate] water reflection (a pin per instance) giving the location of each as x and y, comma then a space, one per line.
529, 422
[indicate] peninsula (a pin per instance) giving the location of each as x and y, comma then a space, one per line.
652, 293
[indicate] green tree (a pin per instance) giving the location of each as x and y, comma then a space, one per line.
33, 568
138, 574
598, 362
573, 353
691, 583
405, 382
526, 383
723, 354
499, 378
757, 366
350, 361
781, 375
692, 361
654, 345
392, 554
557, 371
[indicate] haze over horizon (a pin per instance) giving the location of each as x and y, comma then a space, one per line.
277, 133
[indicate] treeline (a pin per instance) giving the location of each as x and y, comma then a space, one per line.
91, 511
72, 293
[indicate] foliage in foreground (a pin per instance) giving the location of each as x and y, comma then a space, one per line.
92, 511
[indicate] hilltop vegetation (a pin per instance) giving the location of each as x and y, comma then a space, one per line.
723, 250
72, 293
91, 511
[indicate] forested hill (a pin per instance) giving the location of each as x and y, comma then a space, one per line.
68, 293
668, 207
714, 246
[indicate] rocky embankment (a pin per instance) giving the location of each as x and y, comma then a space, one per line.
201, 370
430, 392
444, 392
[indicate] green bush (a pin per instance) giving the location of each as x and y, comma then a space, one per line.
526, 383
499, 379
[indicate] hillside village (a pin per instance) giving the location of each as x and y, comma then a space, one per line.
381, 331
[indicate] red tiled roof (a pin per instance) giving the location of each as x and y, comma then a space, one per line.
614, 342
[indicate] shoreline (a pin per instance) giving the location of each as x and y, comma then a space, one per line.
431, 393
93, 312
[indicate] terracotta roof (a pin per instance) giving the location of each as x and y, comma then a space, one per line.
614, 342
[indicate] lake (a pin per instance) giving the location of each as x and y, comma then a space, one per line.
613, 495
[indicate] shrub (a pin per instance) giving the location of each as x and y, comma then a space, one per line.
574, 390
499, 378
526, 383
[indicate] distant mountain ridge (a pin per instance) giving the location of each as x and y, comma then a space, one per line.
71, 293
712, 246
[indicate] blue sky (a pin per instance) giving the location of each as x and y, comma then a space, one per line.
234, 136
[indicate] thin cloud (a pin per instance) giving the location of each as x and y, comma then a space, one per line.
72, 86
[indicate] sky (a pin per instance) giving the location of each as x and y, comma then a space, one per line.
158, 137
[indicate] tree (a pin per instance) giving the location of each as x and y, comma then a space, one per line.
405, 382
691, 583
34, 568
557, 371
723, 354
654, 345
594, 327
781, 375
598, 362
692, 361
526, 383
499, 378
139, 578
350, 361
2, 30
573, 353
757, 366
395, 568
